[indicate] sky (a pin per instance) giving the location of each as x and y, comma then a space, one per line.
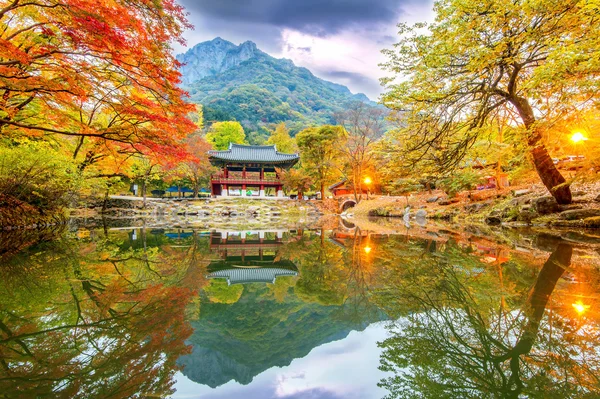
351, 373
338, 40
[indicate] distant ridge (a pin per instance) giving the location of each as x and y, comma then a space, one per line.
246, 84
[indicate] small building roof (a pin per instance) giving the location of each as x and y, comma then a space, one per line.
338, 184
259, 275
252, 154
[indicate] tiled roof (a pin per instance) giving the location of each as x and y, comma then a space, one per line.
242, 276
253, 153
336, 185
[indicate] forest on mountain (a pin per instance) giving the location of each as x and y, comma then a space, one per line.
261, 90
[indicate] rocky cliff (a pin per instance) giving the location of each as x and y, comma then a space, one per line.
246, 84
212, 58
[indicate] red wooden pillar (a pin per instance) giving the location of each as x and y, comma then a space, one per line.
225, 172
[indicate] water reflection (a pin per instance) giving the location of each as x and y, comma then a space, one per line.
74, 321
285, 313
475, 334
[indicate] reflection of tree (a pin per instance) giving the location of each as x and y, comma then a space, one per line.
358, 275
319, 262
92, 320
459, 341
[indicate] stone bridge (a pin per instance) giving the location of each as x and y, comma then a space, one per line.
345, 202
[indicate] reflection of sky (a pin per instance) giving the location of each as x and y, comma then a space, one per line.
342, 369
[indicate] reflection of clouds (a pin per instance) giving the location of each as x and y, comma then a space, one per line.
342, 369
313, 393
346, 348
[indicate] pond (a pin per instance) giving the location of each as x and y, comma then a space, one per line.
370, 310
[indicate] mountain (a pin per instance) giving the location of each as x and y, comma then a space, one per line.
241, 340
246, 84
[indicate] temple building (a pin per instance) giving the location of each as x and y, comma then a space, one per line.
249, 171
249, 257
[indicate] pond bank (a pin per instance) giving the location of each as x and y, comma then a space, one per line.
214, 212
530, 206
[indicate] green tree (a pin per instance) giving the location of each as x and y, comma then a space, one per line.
281, 139
537, 60
221, 134
321, 155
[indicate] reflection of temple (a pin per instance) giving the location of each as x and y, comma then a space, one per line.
249, 257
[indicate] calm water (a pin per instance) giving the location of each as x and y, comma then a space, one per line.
334, 311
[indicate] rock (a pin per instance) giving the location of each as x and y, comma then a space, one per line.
473, 208
519, 193
597, 198
570, 207
577, 214
434, 199
593, 222
493, 220
578, 193
447, 201
526, 216
546, 205
421, 213
407, 214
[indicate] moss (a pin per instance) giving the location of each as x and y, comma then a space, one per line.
593, 222
379, 212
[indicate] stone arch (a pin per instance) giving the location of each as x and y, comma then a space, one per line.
347, 205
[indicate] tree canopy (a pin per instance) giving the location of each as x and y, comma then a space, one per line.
280, 137
99, 72
321, 153
536, 61
221, 134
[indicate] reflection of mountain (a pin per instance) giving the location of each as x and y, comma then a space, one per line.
241, 340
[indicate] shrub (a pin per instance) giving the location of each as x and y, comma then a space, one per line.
36, 174
461, 180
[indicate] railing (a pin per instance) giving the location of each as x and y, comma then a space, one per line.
237, 180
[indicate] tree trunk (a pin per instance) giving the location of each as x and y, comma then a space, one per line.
550, 176
144, 191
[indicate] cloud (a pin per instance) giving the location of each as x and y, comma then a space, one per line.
316, 17
338, 40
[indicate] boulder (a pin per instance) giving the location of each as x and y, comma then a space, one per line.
546, 205
577, 214
421, 213
597, 198
434, 199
